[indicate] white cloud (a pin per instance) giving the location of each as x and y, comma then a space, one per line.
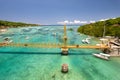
114, 18
103, 19
63, 22
66, 21
107, 19
83, 22
72, 22
92, 21
76, 21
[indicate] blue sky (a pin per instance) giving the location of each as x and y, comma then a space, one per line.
58, 11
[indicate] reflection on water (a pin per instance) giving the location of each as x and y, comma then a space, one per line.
45, 64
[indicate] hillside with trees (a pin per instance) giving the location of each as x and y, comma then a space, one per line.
9, 24
111, 27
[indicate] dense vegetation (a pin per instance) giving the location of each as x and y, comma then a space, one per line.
112, 28
6, 24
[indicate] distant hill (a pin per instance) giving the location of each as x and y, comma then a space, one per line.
112, 28
6, 24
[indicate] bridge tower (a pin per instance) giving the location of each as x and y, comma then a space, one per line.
64, 47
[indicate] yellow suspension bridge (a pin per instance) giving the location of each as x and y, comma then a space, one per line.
64, 47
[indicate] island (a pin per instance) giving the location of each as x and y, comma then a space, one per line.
110, 27
9, 24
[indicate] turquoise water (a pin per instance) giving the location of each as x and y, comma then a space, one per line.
45, 64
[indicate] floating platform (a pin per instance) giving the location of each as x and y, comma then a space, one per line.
64, 68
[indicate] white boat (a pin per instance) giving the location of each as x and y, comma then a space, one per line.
7, 38
9, 41
86, 41
83, 41
107, 55
102, 56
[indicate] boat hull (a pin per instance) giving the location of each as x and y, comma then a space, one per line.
100, 56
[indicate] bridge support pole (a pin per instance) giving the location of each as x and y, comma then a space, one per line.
64, 51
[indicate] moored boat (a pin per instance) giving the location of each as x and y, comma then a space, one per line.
86, 41
107, 55
8, 40
102, 56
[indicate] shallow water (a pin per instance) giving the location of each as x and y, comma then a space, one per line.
45, 64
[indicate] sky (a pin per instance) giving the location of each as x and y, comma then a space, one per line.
48, 12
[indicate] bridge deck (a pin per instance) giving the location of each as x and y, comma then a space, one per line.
50, 45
